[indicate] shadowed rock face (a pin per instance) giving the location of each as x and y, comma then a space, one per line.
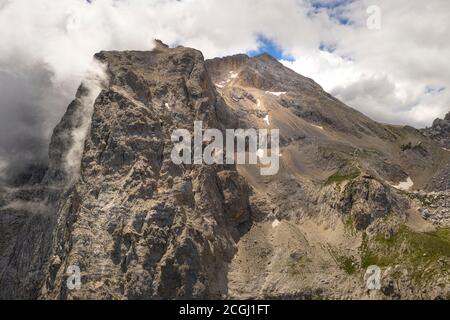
140, 227
440, 131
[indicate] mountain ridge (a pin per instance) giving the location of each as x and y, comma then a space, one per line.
140, 227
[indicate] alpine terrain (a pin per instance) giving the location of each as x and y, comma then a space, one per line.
351, 193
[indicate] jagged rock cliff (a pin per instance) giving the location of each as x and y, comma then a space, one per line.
138, 226
440, 131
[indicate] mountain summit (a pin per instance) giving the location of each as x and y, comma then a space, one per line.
351, 193
440, 131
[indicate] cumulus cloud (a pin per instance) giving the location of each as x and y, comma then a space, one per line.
45, 53
398, 74
385, 73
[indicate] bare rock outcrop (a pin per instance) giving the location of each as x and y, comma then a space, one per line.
440, 131
137, 225
350, 192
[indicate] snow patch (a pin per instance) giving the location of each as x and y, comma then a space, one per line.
405, 185
258, 103
267, 120
222, 84
446, 149
167, 106
260, 153
276, 93
276, 223
319, 127
233, 75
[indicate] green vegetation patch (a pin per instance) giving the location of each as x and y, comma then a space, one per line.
419, 251
350, 225
346, 263
406, 146
339, 177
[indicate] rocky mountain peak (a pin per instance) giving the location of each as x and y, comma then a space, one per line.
152, 212
160, 45
440, 131
268, 58
350, 192
263, 72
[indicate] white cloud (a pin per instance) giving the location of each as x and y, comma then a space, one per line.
47, 46
385, 73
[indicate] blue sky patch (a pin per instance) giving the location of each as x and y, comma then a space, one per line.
334, 8
434, 89
329, 4
267, 45
327, 47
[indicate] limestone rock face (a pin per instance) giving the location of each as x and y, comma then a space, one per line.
137, 225
440, 131
25, 236
112, 204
